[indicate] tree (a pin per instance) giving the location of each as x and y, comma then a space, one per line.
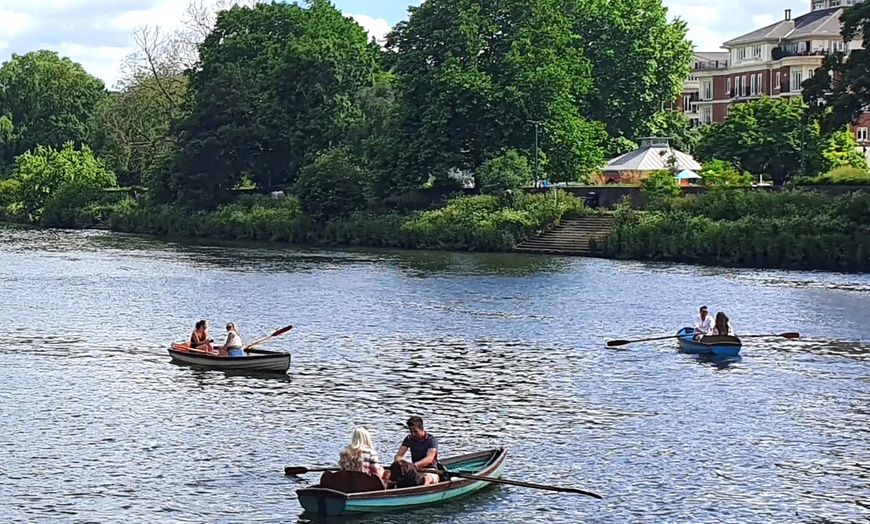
719, 173
658, 187
43, 172
333, 186
765, 137
843, 83
842, 151
474, 77
507, 171
639, 61
274, 86
673, 124
48, 98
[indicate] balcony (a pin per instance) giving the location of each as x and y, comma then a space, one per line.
780, 52
711, 65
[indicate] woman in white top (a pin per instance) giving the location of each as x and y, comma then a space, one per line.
360, 455
233, 346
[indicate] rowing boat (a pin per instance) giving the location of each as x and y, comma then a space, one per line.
353, 492
719, 345
255, 359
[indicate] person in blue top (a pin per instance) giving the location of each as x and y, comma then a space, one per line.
423, 447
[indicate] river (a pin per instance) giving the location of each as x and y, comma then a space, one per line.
491, 350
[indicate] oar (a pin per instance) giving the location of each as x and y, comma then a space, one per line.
514, 483
275, 334
290, 471
612, 343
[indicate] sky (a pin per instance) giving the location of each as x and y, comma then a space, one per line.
97, 33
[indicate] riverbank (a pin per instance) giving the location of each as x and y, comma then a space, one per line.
793, 229
464, 223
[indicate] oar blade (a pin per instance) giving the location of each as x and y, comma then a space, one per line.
790, 335
290, 471
281, 331
614, 343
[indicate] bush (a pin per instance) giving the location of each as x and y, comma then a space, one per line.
658, 188
333, 186
718, 173
507, 171
845, 175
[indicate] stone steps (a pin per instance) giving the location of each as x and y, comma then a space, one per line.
571, 237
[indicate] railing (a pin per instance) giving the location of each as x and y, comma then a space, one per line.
712, 64
779, 53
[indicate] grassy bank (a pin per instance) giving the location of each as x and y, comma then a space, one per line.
472, 223
798, 229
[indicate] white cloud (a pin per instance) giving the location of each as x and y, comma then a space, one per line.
376, 27
14, 23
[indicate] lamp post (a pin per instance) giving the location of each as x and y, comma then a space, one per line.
537, 129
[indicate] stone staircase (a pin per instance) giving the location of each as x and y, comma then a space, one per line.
571, 237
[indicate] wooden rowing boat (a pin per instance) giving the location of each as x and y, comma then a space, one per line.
255, 360
718, 345
352, 492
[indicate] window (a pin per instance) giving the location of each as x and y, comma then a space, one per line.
743, 85
818, 4
708, 115
728, 86
777, 83
796, 79
756, 51
708, 90
861, 134
687, 103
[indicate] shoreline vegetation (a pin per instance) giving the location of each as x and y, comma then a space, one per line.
363, 144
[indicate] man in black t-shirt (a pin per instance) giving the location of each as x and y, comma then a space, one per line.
423, 446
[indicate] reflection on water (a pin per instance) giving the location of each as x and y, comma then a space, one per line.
492, 350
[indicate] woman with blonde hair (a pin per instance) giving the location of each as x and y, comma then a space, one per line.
360, 455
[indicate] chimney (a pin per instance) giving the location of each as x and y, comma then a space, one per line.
788, 14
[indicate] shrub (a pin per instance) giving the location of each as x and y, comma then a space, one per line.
333, 186
508, 171
844, 175
658, 188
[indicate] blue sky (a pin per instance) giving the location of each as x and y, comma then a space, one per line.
97, 33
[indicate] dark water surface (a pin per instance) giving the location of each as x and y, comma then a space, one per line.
96, 425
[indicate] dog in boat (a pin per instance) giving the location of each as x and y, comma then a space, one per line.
404, 474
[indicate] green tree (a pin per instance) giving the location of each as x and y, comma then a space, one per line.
764, 137
473, 77
333, 186
842, 151
639, 61
508, 171
274, 86
673, 124
658, 187
49, 99
719, 173
43, 172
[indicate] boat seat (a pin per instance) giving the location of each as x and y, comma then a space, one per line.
351, 481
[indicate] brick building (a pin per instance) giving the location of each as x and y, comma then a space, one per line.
772, 61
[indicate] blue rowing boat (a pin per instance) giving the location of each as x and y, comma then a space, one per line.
719, 345
352, 492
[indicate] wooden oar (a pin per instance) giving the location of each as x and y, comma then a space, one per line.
275, 334
514, 483
612, 343
290, 471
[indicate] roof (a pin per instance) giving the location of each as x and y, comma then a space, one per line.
822, 22
651, 158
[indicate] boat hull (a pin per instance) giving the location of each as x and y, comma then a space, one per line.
327, 502
718, 345
257, 360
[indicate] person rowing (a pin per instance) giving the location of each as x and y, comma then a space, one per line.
233, 345
703, 323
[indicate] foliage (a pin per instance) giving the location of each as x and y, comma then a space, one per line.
474, 78
764, 137
842, 151
639, 60
844, 175
508, 171
718, 173
42, 173
788, 229
49, 99
274, 86
673, 124
838, 91
658, 187
333, 186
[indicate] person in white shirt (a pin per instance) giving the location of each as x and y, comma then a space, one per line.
703, 322
233, 346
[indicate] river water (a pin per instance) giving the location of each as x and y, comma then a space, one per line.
491, 350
